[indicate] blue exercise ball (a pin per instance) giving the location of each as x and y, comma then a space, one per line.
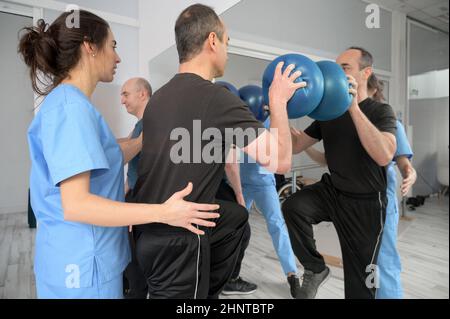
230, 87
305, 100
336, 97
252, 95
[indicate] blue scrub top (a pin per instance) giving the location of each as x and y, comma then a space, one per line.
133, 164
253, 174
403, 149
67, 137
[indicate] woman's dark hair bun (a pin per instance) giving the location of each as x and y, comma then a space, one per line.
39, 52
52, 51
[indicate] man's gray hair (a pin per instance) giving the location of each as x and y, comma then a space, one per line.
366, 59
143, 84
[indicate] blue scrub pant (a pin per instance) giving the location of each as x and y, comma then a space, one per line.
266, 199
389, 264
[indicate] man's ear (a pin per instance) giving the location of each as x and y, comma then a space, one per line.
368, 72
212, 39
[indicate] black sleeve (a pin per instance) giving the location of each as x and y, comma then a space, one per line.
314, 130
229, 114
384, 119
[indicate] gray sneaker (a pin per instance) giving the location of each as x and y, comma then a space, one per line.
311, 283
239, 286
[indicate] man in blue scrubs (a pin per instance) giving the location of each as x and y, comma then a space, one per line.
135, 95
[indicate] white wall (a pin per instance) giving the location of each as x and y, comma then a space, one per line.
399, 72
163, 67
429, 85
430, 121
127, 8
428, 103
324, 27
429, 50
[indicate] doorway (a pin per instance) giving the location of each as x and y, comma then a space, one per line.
16, 113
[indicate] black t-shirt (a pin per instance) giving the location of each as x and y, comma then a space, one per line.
172, 110
352, 169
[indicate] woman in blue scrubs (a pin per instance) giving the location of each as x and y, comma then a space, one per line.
77, 175
389, 264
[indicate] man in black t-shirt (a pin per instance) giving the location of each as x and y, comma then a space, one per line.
358, 145
187, 120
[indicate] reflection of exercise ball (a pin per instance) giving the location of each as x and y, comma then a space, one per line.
252, 95
230, 87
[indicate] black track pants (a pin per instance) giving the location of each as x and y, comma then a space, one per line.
359, 221
181, 265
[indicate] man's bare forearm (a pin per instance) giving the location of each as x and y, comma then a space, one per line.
301, 141
279, 121
130, 148
380, 146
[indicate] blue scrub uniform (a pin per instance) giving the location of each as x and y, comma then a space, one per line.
67, 137
389, 264
258, 185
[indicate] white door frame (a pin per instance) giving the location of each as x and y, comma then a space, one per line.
267, 52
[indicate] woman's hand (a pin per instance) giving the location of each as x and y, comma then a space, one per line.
408, 181
180, 213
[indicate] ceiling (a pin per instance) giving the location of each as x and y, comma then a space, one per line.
433, 13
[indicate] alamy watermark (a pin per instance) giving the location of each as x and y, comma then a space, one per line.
373, 19
73, 19
73, 279
373, 278
212, 145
